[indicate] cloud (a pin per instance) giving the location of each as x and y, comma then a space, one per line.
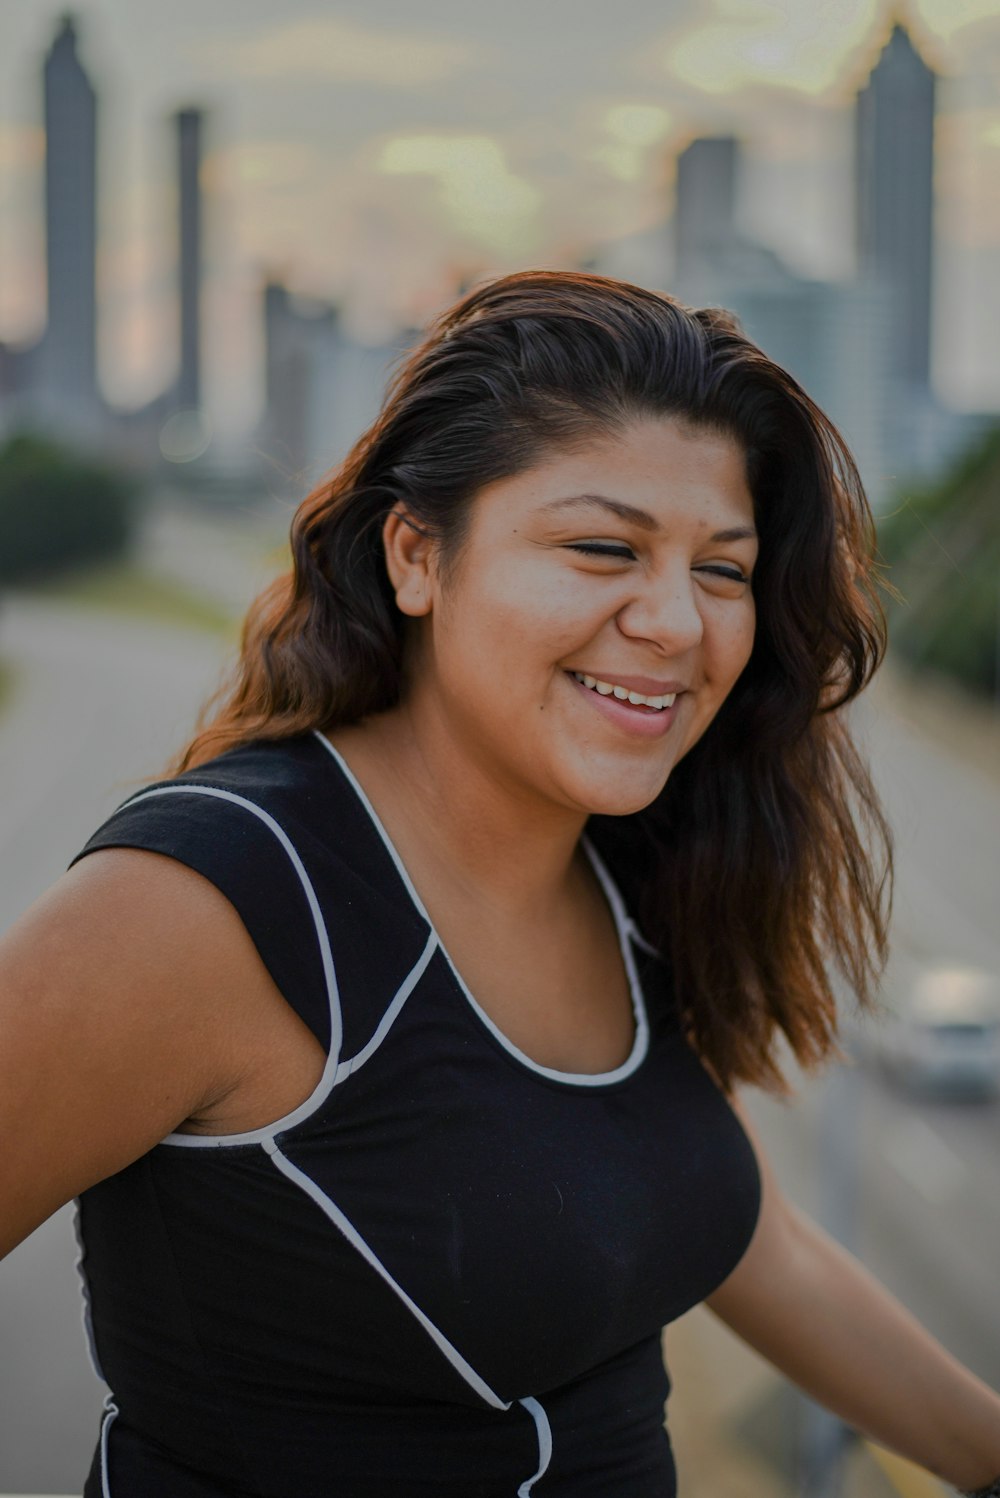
483, 197
637, 124
775, 43
630, 131
946, 18
281, 165
334, 49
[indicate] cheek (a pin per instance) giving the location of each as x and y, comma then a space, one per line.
525, 623
733, 641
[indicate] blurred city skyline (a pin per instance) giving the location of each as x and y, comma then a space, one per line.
376, 158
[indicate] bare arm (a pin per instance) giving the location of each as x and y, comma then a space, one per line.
131, 1000
813, 1311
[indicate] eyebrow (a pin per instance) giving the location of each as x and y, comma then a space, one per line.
642, 518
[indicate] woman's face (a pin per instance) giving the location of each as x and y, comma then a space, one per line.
614, 572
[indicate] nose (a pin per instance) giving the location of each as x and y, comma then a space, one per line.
664, 610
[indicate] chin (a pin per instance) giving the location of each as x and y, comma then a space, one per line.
622, 795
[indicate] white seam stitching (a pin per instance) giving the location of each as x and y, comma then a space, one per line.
376, 823
327, 1081
409, 983
543, 1430
86, 1307
619, 915
640, 941
350, 1232
110, 1415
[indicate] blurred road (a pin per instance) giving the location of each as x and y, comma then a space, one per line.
913, 1187
99, 704
916, 1188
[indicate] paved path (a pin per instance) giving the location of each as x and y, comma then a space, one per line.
99, 703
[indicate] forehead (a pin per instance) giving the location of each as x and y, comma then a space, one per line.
669, 469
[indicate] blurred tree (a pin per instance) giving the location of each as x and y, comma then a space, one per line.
58, 509
942, 546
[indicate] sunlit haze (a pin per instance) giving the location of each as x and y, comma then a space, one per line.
380, 155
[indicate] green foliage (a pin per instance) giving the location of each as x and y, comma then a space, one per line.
943, 550
58, 509
922, 514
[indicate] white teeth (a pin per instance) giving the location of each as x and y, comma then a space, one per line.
608, 689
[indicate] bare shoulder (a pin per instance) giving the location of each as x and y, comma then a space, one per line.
132, 1000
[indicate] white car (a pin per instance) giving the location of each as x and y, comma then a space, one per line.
943, 1032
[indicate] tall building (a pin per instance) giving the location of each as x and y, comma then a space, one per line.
323, 386
51, 385
832, 336
295, 329
705, 215
189, 143
894, 146
69, 351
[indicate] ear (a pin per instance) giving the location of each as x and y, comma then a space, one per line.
409, 559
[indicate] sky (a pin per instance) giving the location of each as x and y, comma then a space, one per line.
377, 153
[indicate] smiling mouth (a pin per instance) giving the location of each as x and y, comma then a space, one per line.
623, 694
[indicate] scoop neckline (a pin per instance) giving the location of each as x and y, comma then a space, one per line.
624, 927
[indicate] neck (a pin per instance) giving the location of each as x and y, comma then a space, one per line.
438, 801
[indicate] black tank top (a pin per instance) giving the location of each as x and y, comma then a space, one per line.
446, 1272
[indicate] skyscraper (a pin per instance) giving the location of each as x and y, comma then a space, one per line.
189, 123
705, 213
834, 337
69, 352
292, 332
324, 387
894, 144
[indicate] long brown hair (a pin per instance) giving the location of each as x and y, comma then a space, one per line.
763, 866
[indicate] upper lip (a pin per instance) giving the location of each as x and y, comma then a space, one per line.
649, 686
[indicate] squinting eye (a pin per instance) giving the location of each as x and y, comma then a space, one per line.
602, 549
731, 574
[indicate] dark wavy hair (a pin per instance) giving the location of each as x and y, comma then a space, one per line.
763, 868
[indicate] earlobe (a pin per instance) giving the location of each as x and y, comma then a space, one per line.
409, 557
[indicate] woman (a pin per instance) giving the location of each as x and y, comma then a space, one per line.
391, 1042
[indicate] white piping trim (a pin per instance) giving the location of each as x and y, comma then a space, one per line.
390, 1016
350, 1232
327, 1081
623, 926
544, 1430
86, 1309
110, 1415
626, 929
390, 846
640, 941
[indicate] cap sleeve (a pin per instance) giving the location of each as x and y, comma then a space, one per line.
240, 848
